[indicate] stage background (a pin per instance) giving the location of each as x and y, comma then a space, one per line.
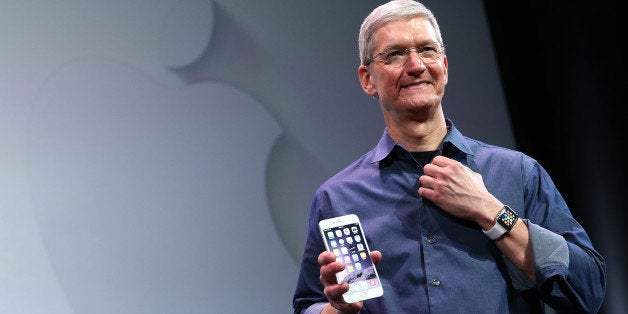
160, 156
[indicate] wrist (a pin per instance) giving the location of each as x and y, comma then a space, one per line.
329, 309
487, 220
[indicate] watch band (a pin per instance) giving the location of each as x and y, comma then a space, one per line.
496, 232
504, 221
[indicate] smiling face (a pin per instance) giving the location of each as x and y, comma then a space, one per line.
413, 90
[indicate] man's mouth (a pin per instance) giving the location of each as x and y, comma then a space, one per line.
415, 84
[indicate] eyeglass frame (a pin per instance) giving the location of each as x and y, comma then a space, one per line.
406, 52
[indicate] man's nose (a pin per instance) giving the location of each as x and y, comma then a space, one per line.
414, 59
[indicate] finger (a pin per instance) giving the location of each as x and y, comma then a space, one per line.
376, 257
349, 308
432, 170
329, 271
437, 167
334, 292
427, 193
326, 257
429, 168
428, 182
441, 161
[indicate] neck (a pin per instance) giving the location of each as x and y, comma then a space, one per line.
419, 136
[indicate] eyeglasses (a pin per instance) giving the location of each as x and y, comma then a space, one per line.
397, 57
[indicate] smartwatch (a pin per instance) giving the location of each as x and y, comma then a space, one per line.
504, 221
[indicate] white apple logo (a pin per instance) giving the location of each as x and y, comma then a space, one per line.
151, 199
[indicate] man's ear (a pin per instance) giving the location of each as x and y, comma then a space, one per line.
366, 80
446, 68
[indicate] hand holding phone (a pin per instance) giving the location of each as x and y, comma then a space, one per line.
344, 237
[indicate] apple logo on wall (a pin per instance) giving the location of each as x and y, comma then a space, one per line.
151, 199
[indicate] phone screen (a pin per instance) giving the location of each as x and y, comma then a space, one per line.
347, 242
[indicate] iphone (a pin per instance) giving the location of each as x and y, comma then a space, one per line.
344, 237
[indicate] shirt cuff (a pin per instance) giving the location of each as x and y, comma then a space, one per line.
548, 249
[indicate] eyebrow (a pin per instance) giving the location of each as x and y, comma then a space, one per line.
400, 46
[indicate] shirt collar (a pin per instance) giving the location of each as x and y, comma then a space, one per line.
453, 140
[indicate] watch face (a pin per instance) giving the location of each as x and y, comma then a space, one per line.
507, 218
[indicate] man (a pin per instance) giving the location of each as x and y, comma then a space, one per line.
459, 226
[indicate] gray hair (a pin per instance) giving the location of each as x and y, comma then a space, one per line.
392, 11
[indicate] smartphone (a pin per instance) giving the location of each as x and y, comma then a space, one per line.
344, 237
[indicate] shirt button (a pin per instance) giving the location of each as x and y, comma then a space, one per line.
436, 282
431, 240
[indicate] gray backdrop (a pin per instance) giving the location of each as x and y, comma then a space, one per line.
160, 156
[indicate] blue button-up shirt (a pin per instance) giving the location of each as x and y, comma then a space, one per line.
435, 263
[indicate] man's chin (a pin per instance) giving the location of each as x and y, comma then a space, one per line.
422, 102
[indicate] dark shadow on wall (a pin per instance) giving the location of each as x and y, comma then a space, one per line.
564, 77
